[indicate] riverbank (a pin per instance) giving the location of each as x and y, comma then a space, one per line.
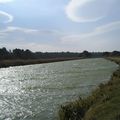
102, 104
18, 62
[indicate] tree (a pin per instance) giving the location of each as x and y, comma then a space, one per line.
4, 54
115, 53
85, 54
18, 53
106, 54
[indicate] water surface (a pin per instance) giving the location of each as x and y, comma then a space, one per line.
35, 92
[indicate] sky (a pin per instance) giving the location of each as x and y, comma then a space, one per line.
60, 25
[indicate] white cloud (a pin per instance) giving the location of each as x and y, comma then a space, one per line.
103, 38
50, 32
10, 29
108, 27
5, 1
97, 32
87, 10
18, 37
33, 46
40, 47
53, 40
13, 36
6, 16
13, 29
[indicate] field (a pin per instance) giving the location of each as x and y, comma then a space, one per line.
18, 62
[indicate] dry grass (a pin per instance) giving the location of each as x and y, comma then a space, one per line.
18, 62
102, 104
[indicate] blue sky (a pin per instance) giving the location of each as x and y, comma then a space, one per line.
60, 25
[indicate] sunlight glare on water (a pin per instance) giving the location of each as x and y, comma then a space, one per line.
35, 92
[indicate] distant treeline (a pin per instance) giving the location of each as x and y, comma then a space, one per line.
99, 54
27, 54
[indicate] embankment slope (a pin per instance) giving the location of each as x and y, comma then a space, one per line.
102, 104
19, 62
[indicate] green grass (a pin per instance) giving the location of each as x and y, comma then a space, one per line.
102, 104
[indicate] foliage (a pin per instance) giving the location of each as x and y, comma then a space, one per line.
27, 54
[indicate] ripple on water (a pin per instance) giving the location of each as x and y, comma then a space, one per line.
35, 92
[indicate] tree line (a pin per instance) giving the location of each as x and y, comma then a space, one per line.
99, 54
27, 54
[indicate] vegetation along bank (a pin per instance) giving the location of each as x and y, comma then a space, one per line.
102, 104
18, 57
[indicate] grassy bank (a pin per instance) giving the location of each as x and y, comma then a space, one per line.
102, 104
18, 62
